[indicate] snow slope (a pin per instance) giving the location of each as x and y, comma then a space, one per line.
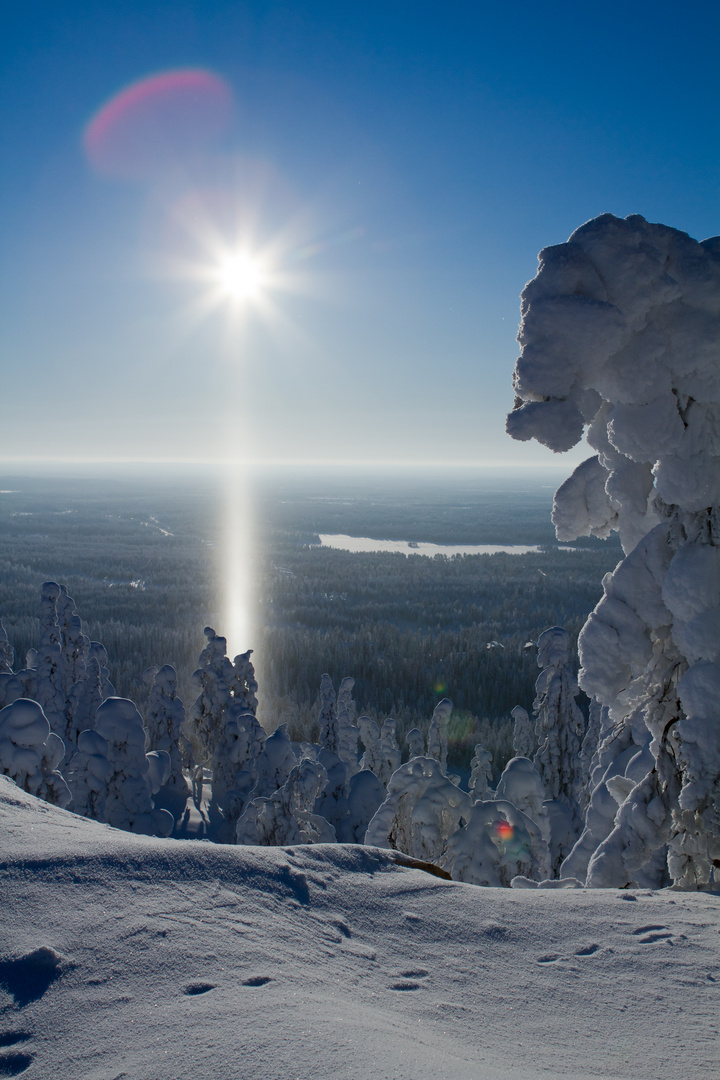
124, 956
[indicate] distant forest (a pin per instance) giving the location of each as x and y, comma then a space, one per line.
142, 562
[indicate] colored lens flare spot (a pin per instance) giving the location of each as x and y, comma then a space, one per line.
158, 124
505, 831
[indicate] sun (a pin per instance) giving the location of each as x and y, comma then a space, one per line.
240, 276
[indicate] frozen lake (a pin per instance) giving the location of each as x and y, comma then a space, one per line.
410, 547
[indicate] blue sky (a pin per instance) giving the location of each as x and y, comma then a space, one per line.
402, 161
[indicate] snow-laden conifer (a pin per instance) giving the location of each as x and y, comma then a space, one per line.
327, 719
30, 752
234, 766
496, 844
370, 738
48, 673
524, 739
480, 773
423, 808
87, 774
415, 743
559, 724
620, 332
365, 796
11, 688
332, 802
7, 653
99, 652
437, 740
389, 752
128, 801
521, 785
212, 681
164, 717
286, 817
274, 763
243, 683
348, 732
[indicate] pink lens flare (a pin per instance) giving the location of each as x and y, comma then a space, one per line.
505, 830
159, 123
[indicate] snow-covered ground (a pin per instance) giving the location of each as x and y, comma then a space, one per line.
123, 956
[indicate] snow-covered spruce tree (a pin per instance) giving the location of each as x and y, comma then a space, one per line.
99, 653
620, 332
423, 808
87, 774
480, 773
11, 688
327, 720
348, 732
495, 845
7, 653
234, 767
520, 784
243, 684
212, 680
365, 795
415, 743
437, 740
389, 752
164, 717
370, 738
128, 800
286, 817
48, 689
559, 724
524, 740
70, 676
30, 752
274, 764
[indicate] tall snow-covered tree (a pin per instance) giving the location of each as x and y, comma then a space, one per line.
328, 736
234, 766
559, 724
524, 739
437, 740
480, 772
243, 683
212, 681
348, 732
128, 799
164, 716
7, 653
620, 331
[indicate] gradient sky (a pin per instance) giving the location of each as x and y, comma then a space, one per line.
402, 162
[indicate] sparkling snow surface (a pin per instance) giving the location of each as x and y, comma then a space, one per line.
129, 957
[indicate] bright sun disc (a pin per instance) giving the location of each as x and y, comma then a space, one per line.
240, 276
